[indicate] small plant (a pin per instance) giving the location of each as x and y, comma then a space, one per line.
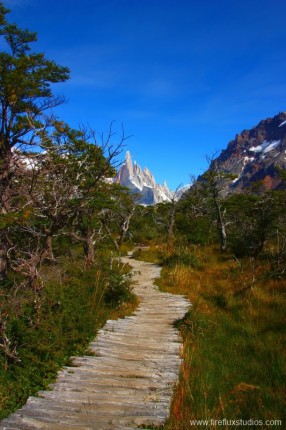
182, 255
118, 289
7, 346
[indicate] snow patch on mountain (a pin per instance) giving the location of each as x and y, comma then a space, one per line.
265, 146
256, 156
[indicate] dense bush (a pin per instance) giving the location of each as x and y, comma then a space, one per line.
197, 230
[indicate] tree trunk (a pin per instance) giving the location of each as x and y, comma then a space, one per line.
171, 222
36, 285
88, 248
125, 226
3, 258
49, 255
223, 238
5, 179
221, 228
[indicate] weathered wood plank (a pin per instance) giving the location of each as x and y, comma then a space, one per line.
129, 381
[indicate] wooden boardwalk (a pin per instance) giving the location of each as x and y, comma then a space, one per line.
130, 380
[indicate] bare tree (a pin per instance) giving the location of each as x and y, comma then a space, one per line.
173, 206
216, 181
206, 198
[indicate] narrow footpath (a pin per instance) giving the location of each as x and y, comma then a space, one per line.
130, 380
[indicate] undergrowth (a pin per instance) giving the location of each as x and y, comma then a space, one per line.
75, 303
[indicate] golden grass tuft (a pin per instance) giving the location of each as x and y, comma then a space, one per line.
233, 356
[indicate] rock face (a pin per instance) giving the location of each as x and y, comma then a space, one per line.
254, 155
142, 182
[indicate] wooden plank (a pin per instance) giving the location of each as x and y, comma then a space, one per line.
130, 380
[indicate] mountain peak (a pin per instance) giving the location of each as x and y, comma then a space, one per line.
128, 162
140, 181
256, 155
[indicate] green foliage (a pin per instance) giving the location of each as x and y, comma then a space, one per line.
75, 303
198, 230
150, 254
255, 221
53, 300
26, 100
25, 85
118, 290
145, 226
181, 255
250, 223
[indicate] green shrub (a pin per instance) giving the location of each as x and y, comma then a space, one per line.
183, 256
74, 304
118, 289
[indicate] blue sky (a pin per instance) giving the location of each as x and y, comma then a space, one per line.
182, 76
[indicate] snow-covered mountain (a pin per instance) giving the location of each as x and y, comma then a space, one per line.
142, 182
256, 155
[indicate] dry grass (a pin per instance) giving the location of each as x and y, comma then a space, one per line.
234, 339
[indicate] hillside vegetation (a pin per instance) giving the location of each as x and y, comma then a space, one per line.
234, 335
64, 225
61, 224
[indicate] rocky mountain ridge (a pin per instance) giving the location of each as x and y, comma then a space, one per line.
256, 155
142, 182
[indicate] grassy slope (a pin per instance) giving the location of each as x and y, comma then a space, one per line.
234, 353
